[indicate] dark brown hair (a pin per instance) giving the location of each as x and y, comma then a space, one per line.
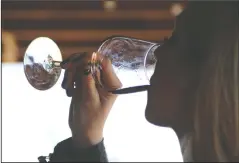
212, 35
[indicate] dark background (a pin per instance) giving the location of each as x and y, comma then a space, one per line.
81, 25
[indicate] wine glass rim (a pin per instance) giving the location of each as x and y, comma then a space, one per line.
127, 37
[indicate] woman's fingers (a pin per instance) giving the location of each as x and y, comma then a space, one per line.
70, 120
63, 84
79, 70
89, 91
70, 65
73, 60
70, 82
85, 82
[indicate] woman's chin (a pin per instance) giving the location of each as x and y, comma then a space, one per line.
150, 116
154, 118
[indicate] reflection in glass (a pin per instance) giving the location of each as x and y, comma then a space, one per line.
40, 67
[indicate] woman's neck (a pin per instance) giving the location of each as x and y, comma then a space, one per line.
186, 147
185, 140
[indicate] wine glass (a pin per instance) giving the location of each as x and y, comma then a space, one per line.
132, 59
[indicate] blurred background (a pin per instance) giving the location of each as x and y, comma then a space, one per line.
34, 121
81, 25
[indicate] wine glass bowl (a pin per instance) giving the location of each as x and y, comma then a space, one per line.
40, 66
133, 60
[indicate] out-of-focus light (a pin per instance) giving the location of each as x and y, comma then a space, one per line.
10, 48
110, 5
176, 9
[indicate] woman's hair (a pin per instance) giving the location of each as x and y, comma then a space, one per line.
212, 34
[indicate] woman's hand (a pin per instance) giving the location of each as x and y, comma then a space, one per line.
90, 104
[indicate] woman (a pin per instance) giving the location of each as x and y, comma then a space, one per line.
194, 90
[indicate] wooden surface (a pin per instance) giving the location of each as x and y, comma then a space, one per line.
82, 25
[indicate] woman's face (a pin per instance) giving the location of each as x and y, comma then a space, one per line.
168, 96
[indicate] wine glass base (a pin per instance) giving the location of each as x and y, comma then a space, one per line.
42, 63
